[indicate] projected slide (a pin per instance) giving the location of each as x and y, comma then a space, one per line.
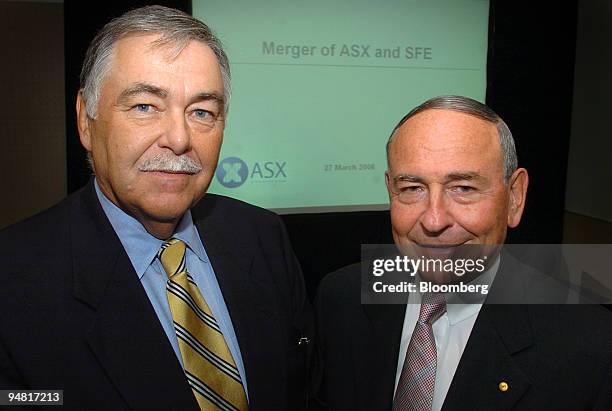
319, 85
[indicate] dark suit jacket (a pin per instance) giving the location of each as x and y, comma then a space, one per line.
554, 357
74, 316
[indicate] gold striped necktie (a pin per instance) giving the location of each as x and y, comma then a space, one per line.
209, 366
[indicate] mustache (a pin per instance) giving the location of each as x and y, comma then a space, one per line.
171, 164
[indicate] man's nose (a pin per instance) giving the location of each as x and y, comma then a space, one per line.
176, 135
436, 218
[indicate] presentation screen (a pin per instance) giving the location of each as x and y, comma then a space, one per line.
318, 86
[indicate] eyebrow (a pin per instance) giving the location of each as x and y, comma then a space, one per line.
145, 88
209, 96
408, 177
141, 88
465, 176
454, 176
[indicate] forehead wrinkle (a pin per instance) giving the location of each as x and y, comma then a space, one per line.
165, 54
438, 136
420, 168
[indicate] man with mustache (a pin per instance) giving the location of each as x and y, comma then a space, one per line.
139, 291
453, 182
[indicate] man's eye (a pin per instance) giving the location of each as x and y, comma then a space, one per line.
463, 189
143, 108
410, 189
203, 114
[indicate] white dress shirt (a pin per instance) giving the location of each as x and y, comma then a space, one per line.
451, 332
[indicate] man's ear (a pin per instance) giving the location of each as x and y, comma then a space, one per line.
83, 122
518, 182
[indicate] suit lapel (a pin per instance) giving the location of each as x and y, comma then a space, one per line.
375, 353
249, 301
500, 332
125, 336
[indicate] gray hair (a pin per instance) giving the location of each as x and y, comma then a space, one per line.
175, 27
474, 108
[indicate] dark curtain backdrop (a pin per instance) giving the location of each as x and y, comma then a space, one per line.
529, 83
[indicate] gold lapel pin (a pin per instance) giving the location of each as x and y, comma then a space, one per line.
503, 386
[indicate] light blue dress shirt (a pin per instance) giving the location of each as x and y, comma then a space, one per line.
142, 249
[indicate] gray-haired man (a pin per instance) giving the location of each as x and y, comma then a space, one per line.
454, 184
137, 292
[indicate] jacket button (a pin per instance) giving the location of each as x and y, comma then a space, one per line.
503, 386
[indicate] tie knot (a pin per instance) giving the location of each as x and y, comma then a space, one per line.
432, 307
172, 256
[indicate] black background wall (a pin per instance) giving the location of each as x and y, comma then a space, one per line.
529, 84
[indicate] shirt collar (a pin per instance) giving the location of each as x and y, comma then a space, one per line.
141, 246
459, 309
187, 232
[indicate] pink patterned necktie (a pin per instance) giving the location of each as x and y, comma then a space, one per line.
415, 388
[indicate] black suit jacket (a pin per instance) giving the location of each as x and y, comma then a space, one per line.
553, 357
74, 316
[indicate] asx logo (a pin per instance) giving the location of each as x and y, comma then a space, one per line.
232, 172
